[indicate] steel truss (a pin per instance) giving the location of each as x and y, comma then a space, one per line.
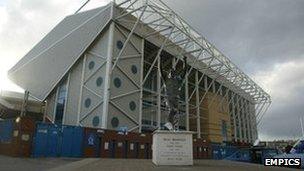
178, 37
212, 63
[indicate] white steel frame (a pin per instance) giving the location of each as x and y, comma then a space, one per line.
241, 90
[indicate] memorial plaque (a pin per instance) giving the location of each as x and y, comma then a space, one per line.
172, 148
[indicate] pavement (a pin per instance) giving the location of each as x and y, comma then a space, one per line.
32, 164
92, 164
146, 165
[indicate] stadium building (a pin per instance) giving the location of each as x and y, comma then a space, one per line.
102, 69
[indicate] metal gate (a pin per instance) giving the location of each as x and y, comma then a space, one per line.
57, 141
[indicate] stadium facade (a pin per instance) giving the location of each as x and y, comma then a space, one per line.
102, 69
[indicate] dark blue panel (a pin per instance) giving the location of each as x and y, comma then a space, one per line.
57, 141
240, 155
67, 137
72, 141
77, 142
221, 152
6, 130
54, 139
40, 140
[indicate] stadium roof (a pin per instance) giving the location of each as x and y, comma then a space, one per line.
63, 46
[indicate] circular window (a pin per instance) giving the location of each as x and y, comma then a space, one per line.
91, 65
134, 69
114, 122
99, 81
117, 82
95, 121
132, 105
119, 44
87, 103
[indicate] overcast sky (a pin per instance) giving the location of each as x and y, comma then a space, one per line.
265, 38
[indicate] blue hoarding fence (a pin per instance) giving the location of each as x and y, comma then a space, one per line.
6, 130
72, 141
57, 141
220, 152
241, 155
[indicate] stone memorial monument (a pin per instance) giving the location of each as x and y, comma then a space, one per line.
171, 146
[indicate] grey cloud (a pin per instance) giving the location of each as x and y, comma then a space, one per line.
258, 35
254, 34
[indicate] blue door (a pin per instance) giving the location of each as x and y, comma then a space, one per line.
40, 140
53, 147
71, 141
57, 141
67, 141
77, 138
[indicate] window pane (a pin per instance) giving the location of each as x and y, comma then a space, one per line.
61, 98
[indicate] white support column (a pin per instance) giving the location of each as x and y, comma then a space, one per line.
255, 125
244, 119
141, 86
158, 92
187, 102
213, 87
253, 122
45, 111
81, 89
66, 100
234, 117
108, 76
239, 118
206, 83
55, 105
24, 107
248, 122
198, 118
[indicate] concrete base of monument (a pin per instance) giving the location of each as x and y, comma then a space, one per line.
172, 148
